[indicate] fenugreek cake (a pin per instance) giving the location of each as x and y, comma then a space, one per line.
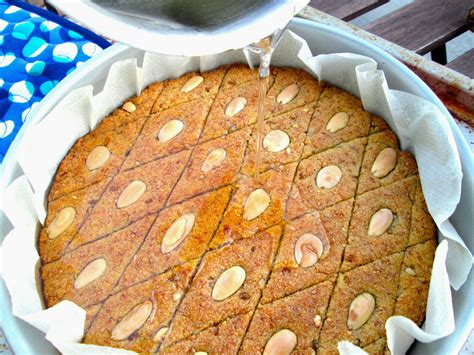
159, 227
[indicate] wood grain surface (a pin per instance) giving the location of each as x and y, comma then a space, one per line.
346, 10
424, 24
464, 63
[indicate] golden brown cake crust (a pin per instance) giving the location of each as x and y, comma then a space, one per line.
234, 227
378, 347
194, 181
254, 255
143, 104
159, 229
116, 250
405, 163
299, 313
158, 177
147, 148
91, 313
82, 201
211, 339
173, 96
415, 281
287, 276
398, 198
306, 194
331, 102
73, 174
380, 279
295, 124
149, 260
160, 291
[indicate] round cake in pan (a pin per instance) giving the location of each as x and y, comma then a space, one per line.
159, 229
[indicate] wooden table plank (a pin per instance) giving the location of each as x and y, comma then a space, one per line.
424, 24
454, 89
464, 64
346, 10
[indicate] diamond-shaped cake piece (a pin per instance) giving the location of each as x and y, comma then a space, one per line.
126, 113
212, 297
422, 226
415, 281
212, 164
239, 74
180, 233
255, 206
378, 125
301, 313
338, 117
131, 318
223, 338
190, 86
282, 140
65, 216
291, 272
234, 107
378, 168
377, 347
91, 313
361, 324
169, 132
292, 88
94, 157
132, 195
380, 223
88, 274
326, 178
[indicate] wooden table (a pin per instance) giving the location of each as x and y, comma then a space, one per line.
424, 25
418, 28
344, 9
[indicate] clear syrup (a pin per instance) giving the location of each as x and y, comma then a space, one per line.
265, 49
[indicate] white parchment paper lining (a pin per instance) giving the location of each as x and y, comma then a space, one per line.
420, 126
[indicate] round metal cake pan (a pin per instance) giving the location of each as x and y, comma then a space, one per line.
24, 339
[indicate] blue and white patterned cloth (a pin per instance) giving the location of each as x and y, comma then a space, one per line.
37, 50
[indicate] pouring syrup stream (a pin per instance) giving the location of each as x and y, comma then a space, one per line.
265, 49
